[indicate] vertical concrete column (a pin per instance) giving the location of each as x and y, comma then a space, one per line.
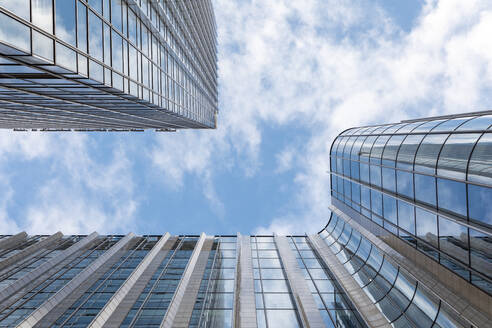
185, 310
245, 307
13, 240
369, 312
308, 310
103, 316
62, 299
30, 250
178, 298
14, 287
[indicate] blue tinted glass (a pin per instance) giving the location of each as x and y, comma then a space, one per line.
348, 147
426, 158
427, 126
356, 147
356, 193
406, 217
389, 181
480, 203
15, 33
354, 170
425, 189
389, 204
65, 21
391, 150
453, 159
375, 175
19, 7
366, 197
426, 223
377, 148
404, 183
453, 239
408, 148
376, 202
366, 148
480, 167
451, 196
364, 172
481, 252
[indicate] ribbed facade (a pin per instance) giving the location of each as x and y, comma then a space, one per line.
407, 244
108, 64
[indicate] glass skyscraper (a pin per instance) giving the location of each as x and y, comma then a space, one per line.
408, 244
108, 64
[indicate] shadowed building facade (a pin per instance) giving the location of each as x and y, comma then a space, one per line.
407, 244
108, 64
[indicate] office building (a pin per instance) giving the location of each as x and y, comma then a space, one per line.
407, 244
108, 64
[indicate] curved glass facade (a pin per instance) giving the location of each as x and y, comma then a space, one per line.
108, 64
428, 182
399, 297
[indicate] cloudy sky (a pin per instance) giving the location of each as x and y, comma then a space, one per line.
293, 74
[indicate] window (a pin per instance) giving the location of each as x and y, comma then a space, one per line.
425, 189
426, 223
406, 217
480, 204
426, 158
454, 155
451, 196
453, 239
405, 183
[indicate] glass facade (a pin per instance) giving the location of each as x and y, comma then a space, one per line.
107, 64
428, 182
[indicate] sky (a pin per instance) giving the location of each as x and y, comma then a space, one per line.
292, 75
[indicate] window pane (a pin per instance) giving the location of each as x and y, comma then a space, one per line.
450, 125
389, 204
426, 226
480, 203
406, 218
426, 158
481, 252
378, 147
454, 155
480, 167
65, 21
405, 183
19, 7
278, 301
95, 37
282, 319
391, 149
425, 189
453, 239
42, 14
366, 148
376, 202
275, 286
356, 147
407, 151
389, 181
375, 175
451, 196
15, 33
42, 45
478, 123
272, 274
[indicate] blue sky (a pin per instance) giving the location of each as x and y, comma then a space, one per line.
293, 74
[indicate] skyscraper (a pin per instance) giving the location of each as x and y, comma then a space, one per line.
407, 244
108, 64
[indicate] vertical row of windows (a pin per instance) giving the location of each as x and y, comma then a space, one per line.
112, 44
401, 299
152, 304
403, 176
275, 307
85, 309
31, 299
333, 304
215, 301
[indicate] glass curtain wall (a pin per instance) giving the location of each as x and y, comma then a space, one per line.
428, 182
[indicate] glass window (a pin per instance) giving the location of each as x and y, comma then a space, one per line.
95, 36
451, 196
366, 148
391, 150
480, 167
426, 223
42, 14
375, 171
66, 57
348, 147
450, 125
453, 239
478, 123
376, 202
395, 127
15, 33
406, 154
389, 181
42, 45
65, 21
364, 172
19, 7
480, 204
282, 319
454, 155
426, 158
275, 286
426, 127
481, 252
377, 149
356, 147
409, 127
278, 301
272, 274
404, 183
389, 205
116, 14
356, 193
425, 189
82, 27
406, 217
366, 197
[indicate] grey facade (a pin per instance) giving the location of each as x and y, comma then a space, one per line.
407, 244
108, 64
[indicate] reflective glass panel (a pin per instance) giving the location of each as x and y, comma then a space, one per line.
480, 203
389, 180
450, 125
391, 150
15, 33
453, 239
477, 123
19, 7
406, 217
404, 183
480, 167
282, 319
426, 158
425, 189
426, 223
454, 155
451, 196
406, 154
65, 21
